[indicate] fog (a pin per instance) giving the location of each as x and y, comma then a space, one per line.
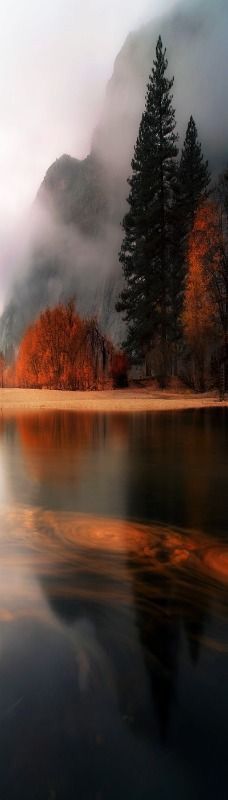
53, 262
56, 57
65, 102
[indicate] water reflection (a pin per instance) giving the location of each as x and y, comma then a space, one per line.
115, 576
170, 467
113, 631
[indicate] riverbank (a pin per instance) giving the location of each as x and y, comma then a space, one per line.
125, 400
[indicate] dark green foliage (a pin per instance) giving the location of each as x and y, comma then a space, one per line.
148, 225
192, 189
194, 176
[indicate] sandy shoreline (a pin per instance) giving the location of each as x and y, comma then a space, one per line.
127, 400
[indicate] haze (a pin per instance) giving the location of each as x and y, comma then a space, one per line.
56, 58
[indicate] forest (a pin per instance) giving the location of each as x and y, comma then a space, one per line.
175, 249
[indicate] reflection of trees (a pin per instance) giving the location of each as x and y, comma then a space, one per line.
158, 626
52, 443
177, 474
205, 452
174, 466
173, 469
178, 468
171, 596
166, 600
144, 592
67, 459
169, 471
195, 610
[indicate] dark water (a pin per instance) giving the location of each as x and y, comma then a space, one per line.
114, 606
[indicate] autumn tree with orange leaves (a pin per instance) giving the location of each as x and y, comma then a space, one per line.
205, 314
62, 351
2, 369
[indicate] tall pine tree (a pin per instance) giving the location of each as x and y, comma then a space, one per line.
192, 189
194, 176
148, 225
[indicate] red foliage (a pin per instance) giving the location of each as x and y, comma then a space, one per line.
206, 286
62, 351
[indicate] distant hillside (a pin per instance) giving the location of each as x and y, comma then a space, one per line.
75, 193
82, 202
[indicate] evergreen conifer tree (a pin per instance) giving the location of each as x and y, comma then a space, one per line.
192, 189
194, 176
148, 240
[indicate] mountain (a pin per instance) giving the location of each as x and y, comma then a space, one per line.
80, 204
74, 192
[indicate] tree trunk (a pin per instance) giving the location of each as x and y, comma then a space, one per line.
148, 365
222, 380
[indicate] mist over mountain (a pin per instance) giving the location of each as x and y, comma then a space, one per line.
195, 35
74, 242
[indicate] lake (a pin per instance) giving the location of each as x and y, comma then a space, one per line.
114, 606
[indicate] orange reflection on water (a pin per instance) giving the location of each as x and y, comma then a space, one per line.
216, 560
59, 542
46, 438
53, 444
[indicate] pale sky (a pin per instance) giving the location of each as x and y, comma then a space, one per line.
56, 58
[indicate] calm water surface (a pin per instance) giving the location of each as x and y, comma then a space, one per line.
114, 606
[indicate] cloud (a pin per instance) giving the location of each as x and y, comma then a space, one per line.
56, 57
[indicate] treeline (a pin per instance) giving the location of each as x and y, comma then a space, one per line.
175, 249
62, 351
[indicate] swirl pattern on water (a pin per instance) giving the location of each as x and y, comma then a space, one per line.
68, 568
68, 540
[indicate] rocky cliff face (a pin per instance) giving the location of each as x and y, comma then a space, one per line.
81, 203
74, 193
